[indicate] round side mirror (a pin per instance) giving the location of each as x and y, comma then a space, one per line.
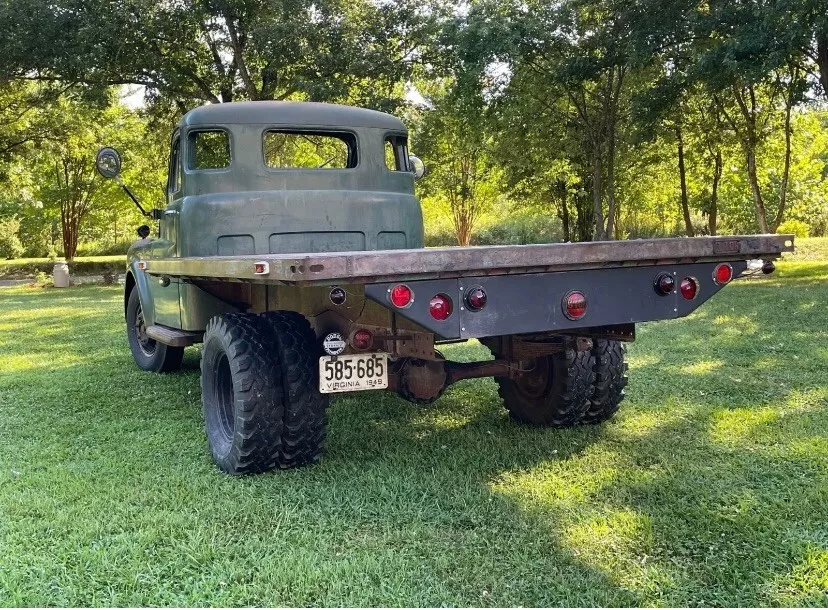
418, 168
143, 231
108, 163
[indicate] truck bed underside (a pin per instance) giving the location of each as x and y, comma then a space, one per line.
438, 263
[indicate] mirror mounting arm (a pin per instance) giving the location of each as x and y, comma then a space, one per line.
135, 199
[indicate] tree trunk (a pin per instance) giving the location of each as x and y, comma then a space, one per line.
612, 208
597, 211
685, 204
822, 60
758, 202
786, 172
714, 195
611, 202
564, 211
69, 228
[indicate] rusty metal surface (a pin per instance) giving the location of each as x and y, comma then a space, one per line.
396, 265
173, 336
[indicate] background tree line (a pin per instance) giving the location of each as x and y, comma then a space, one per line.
539, 121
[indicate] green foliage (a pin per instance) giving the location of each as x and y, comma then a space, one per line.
462, 177
219, 51
10, 246
23, 268
794, 227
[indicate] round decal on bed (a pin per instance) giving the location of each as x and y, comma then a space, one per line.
334, 344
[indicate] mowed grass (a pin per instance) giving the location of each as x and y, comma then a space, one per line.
709, 488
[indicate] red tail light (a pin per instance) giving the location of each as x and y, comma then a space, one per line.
665, 284
723, 274
401, 296
476, 299
689, 288
574, 305
440, 307
362, 339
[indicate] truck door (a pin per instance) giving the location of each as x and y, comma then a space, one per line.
165, 291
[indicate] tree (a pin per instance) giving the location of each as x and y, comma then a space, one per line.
24, 114
65, 163
219, 50
457, 146
10, 246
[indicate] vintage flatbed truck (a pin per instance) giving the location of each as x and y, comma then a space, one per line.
291, 246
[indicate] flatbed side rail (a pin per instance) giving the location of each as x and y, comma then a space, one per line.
430, 263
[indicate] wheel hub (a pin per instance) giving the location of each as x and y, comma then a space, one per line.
534, 383
146, 344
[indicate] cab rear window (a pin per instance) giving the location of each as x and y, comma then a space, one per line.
309, 150
209, 149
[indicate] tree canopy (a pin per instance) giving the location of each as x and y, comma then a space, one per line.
571, 120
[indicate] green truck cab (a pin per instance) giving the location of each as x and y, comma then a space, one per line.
291, 246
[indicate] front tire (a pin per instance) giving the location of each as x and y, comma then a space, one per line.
149, 354
556, 392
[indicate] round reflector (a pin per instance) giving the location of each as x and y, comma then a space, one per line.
362, 339
440, 307
574, 305
401, 296
723, 273
665, 284
689, 288
476, 299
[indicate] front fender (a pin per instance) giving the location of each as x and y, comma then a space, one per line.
139, 280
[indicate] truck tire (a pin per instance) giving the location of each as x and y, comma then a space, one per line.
610, 380
556, 393
149, 354
305, 408
241, 395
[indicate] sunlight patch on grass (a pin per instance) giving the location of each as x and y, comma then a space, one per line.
638, 360
806, 585
766, 426
735, 325
702, 367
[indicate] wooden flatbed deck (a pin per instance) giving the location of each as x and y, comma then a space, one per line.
428, 263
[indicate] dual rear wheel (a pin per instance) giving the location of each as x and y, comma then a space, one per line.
569, 388
262, 407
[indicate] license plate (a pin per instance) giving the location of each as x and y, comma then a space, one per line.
353, 373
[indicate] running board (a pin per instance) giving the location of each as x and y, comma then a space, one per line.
173, 337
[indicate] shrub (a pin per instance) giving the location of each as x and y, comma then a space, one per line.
96, 248
10, 246
797, 227
24, 268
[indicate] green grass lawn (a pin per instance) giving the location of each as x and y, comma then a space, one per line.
709, 488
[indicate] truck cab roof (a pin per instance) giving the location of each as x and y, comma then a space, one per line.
290, 113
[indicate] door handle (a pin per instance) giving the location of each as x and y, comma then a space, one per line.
171, 213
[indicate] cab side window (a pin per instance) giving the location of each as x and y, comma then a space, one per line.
174, 172
396, 153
